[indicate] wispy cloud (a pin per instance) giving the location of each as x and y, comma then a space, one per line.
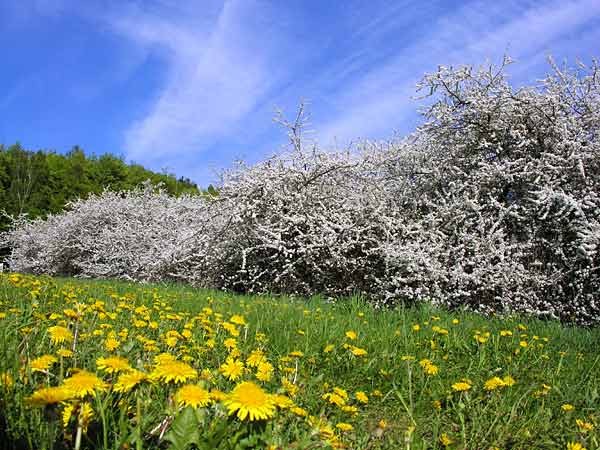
218, 69
379, 99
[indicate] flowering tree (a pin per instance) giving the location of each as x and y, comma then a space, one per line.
492, 204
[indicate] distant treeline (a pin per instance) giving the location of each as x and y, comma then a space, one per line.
41, 182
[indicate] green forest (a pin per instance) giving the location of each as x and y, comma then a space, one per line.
40, 182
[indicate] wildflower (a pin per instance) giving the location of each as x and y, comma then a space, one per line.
445, 440
86, 413
248, 400
361, 397
429, 367
43, 363
567, 407
264, 371
59, 334
437, 405
65, 353
113, 364
49, 396
575, 446
193, 395
455, 321
334, 399
238, 320
508, 381
357, 351
83, 383
584, 426
67, 414
6, 379
173, 370
230, 343
493, 384
282, 401
232, 368
297, 354
111, 343
289, 387
255, 358
351, 409
328, 348
416, 327
523, 344
351, 335
505, 333
462, 386
300, 412
342, 426
127, 381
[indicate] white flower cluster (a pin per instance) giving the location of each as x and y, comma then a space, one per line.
492, 204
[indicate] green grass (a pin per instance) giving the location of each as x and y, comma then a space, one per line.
552, 365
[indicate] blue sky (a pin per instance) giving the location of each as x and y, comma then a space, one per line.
189, 86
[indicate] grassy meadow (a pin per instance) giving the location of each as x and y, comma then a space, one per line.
112, 365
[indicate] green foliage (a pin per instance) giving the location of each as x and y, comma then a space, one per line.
43, 182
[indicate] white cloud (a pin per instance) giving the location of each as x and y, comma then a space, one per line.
218, 69
380, 99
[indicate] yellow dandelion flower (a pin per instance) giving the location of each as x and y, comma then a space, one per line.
350, 409
43, 363
300, 412
437, 405
231, 329
356, 351
83, 383
217, 395
296, 354
6, 379
171, 370
65, 353
567, 407
127, 381
334, 399
283, 401
193, 395
255, 358
416, 327
461, 386
248, 400
113, 364
328, 348
67, 414
238, 320
584, 426
86, 414
523, 344
351, 335
49, 396
59, 334
575, 446
343, 426
264, 372
505, 333
361, 397
445, 440
289, 387
509, 381
493, 384
232, 369
111, 343
230, 343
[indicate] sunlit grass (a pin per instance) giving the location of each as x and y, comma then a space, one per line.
282, 373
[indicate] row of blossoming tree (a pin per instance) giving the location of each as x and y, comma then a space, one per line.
493, 204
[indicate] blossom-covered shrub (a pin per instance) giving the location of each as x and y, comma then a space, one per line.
492, 204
